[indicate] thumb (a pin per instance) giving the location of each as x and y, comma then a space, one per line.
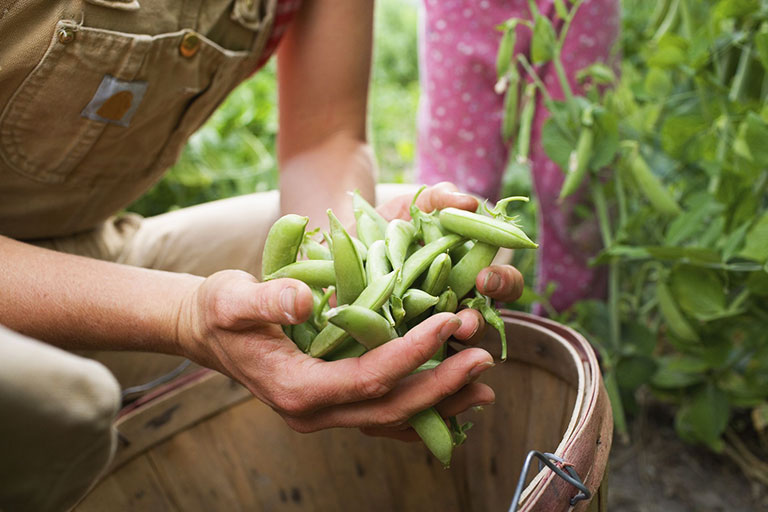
282, 301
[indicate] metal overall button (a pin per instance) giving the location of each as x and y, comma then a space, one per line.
190, 44
65, 35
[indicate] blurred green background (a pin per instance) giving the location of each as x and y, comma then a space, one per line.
234, 152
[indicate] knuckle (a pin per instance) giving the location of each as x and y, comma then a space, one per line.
373, 384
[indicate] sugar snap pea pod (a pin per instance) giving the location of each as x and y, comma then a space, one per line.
288, 330
431, 229
656, 193
314, 250
398, 237
376, 266
458, 252
348, 348
429, 365
362, 249
347, 263
421, 259
313, 272
431, 428
283, 242
462, 276
303, 334
448, 302
416, 302
367, 327
359, 203
485, 229
578, 160
437, 275
377, 263
372, 297
367, 229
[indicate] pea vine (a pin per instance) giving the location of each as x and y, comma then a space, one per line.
672, 151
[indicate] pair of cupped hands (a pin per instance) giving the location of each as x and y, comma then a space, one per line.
232, 323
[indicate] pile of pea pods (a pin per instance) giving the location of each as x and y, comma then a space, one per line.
390, 277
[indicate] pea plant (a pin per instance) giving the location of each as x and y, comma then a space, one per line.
674, 157
391, 277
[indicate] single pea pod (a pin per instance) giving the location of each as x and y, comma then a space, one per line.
458, 252
656, 193
462, 276
398, 311
506, 50
415, 265
283, 242
367, 327
448, 302
511, 100
348, 348
359, 203
431, 428
431, 229
398, 237
416, 302
314, 250
372, 297
318, 273
578, 163
675, 320
437, 275
485, 229
367, 229
303, 334
377, 265
526, 123
347, 263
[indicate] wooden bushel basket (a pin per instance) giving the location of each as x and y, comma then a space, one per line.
201, 444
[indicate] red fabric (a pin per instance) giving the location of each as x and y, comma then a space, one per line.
284, 15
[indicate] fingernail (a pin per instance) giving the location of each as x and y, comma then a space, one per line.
450, 327
479, 405
288, 303
478, 369
492, 282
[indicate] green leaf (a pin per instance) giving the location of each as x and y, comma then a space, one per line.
757, 283
698, 291
679, 372
606, 139
704, 418
750, 141
761, 44
543, 41
734, 8
670, 52
657, 83
756, 246
633, 372
557, 144
678, 132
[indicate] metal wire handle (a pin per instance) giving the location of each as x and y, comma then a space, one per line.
572, 477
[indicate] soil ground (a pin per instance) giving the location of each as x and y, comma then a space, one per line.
658, 472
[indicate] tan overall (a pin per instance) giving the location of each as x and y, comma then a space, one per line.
97, 98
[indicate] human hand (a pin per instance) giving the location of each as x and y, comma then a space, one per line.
231, 323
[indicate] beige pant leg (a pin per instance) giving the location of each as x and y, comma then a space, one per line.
55, 432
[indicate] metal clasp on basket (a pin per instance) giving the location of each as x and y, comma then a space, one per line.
560, 467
